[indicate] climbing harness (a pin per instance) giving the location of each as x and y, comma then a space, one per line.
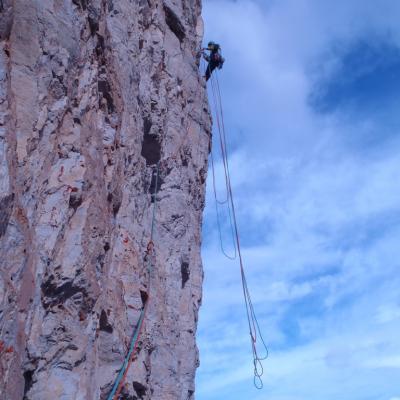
117, 387
253, 325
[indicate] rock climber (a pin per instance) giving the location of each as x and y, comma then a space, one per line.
215, 59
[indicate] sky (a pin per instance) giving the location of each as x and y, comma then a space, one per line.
311, 99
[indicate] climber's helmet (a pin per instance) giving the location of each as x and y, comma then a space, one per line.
213, 46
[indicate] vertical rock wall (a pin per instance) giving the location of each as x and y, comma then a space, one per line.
94, 94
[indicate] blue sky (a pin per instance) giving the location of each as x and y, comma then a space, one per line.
311, 94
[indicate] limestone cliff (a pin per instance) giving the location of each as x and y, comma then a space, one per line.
95, 97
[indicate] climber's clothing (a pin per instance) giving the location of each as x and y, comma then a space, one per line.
215, 59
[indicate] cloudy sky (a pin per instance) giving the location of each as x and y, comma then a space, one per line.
311, 97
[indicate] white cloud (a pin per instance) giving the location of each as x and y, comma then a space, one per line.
387, 313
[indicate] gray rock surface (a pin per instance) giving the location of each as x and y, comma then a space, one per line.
94, 94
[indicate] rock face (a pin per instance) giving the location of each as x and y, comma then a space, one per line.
103, 122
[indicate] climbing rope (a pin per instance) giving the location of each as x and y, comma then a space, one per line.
117, 387
253, 325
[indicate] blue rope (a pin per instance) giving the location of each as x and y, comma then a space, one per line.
143, 312
128, 356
